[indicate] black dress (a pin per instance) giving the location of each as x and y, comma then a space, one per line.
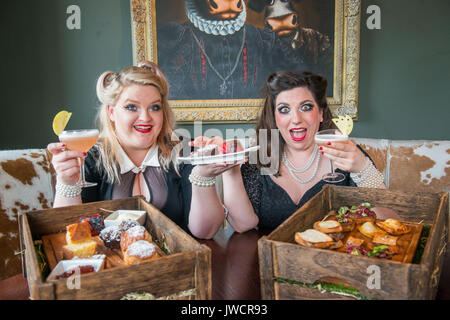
176, 206
271, 203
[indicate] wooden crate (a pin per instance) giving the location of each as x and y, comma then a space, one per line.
290, 271
187, 267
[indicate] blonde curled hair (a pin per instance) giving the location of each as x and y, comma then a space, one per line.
109, 88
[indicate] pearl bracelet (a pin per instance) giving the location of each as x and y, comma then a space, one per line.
369, 177
68, 191
201, 181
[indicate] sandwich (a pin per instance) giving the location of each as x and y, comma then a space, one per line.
331, 227
358, 214
316, 239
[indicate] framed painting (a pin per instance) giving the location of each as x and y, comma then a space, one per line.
217, 54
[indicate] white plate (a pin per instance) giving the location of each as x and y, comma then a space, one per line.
111, 220
65, 265
219, 158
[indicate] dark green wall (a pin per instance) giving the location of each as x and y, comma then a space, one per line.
404, 68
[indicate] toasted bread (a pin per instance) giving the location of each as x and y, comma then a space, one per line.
369, 229
314, 238
393, 227
328, 226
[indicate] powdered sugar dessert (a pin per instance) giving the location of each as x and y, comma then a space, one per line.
132, 235
140, 251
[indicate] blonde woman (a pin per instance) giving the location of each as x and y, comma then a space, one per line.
137, 154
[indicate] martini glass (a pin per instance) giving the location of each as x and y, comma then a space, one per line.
80, 140
322, 138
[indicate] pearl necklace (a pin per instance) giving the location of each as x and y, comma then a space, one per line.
291, 170
306, 167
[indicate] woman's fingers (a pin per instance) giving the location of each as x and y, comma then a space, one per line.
348, 158
199, 142
56, 147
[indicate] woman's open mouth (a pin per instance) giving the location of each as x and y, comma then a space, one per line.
298, 134
143, 129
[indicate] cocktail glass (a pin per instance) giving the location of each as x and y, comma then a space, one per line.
322, 138
80, 140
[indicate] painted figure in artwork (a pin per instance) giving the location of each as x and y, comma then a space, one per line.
215, 54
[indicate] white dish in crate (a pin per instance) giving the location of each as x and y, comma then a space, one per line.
118, 216
63, 266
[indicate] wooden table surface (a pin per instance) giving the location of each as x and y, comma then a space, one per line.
235, 269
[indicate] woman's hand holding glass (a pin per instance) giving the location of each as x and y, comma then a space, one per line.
65, 162
345, 155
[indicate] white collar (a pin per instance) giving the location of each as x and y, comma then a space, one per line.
150, 160
215, 27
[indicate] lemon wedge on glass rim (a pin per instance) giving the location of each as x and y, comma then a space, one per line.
344, 124
60, 121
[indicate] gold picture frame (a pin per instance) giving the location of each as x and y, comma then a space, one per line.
345, 69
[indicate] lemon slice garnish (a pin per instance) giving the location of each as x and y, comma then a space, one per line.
344, 124
60, 121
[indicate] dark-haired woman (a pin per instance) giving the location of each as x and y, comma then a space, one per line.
268, 192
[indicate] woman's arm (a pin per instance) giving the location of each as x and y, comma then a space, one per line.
67, 171
348, 156
241, 214
207, 212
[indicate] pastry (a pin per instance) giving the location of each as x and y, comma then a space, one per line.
132, 235
111, 236
369, 229
140, 251
352, 241
394, 227
79, 241
385, 239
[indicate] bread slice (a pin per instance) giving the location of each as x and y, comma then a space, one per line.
313, 238
328, 226
83, 249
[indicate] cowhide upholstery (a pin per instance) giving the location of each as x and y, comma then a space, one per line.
26, 183
411, 165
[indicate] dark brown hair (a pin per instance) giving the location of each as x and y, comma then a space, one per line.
285, 80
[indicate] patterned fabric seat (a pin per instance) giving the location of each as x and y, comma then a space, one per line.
26, 182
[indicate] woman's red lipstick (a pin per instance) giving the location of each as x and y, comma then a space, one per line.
298, 134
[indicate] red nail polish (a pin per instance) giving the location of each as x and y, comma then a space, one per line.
320, 148
329, 143
85, 154
322, 152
